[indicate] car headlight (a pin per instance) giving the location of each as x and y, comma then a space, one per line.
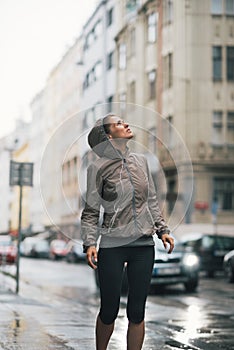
191, 260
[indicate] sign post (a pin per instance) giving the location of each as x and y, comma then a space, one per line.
21, 174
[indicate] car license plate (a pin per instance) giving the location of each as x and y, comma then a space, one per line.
220, 252
166, 271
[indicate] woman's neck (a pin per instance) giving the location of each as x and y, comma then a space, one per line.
120, 145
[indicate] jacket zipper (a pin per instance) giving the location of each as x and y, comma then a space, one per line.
133, 192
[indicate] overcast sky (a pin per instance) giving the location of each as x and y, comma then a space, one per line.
34, 35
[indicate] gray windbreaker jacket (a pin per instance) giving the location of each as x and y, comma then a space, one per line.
119, 186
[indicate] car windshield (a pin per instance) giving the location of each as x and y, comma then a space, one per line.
218, 242
42, 244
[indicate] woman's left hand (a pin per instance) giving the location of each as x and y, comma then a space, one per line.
166, 238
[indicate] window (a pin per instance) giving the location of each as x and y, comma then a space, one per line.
132, 42
90, 39
109, 17
97, 29
230, 128
167, 71
109, 106
217, 134
152, 84
230, 63
152, 27
216, 7
89, 118
224, 192
93, 75
75, 167
93, 35
132, 92
122, 99
229, 7
97, 70
131, 5
168, 138
167, 11
171, 195
217, 62
122, 56
110, 58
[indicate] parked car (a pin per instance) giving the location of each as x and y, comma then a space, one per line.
179, 267
35, 247
211, 249
40, 249
8, 250
58, 249
228, 264
75, 252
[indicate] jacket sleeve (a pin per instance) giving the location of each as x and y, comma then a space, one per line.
91, 212
155, 211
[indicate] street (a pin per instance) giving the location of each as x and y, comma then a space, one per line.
58, 303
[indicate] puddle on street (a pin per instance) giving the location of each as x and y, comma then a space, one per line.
176, 344
17, 325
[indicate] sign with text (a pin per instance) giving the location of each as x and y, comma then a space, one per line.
21, 174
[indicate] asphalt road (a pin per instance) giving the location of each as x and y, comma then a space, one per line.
58, 303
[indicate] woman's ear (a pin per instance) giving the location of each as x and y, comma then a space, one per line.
109, 136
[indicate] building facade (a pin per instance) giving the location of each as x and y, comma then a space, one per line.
56, 125
98, 62
182, 67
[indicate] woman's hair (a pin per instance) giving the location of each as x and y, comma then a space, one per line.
98, 135
106, 122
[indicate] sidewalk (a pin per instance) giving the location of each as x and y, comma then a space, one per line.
28, 323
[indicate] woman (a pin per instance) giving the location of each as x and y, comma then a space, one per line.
120, 183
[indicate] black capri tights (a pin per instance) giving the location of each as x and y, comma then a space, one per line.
110, 271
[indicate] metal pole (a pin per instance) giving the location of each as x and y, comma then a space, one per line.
19, 232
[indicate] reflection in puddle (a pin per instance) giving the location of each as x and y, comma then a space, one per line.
17, 325
193, 321
118, 339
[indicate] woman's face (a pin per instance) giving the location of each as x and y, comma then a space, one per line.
119, 129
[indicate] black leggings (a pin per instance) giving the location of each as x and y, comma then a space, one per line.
110, 271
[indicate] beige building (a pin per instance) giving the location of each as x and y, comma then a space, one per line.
56, 110
177, 58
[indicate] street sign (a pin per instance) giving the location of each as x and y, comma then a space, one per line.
21, 174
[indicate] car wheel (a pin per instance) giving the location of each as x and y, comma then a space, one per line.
191, 285
70, 259
230, 272
210, 274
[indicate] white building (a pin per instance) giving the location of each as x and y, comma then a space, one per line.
98, 61
8, 145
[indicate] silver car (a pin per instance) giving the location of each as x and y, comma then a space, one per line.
175, 268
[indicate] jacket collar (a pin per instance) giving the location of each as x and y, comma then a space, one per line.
113, 153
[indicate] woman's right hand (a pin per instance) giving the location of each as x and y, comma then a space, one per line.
91, 256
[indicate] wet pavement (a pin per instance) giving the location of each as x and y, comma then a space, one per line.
56, 309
